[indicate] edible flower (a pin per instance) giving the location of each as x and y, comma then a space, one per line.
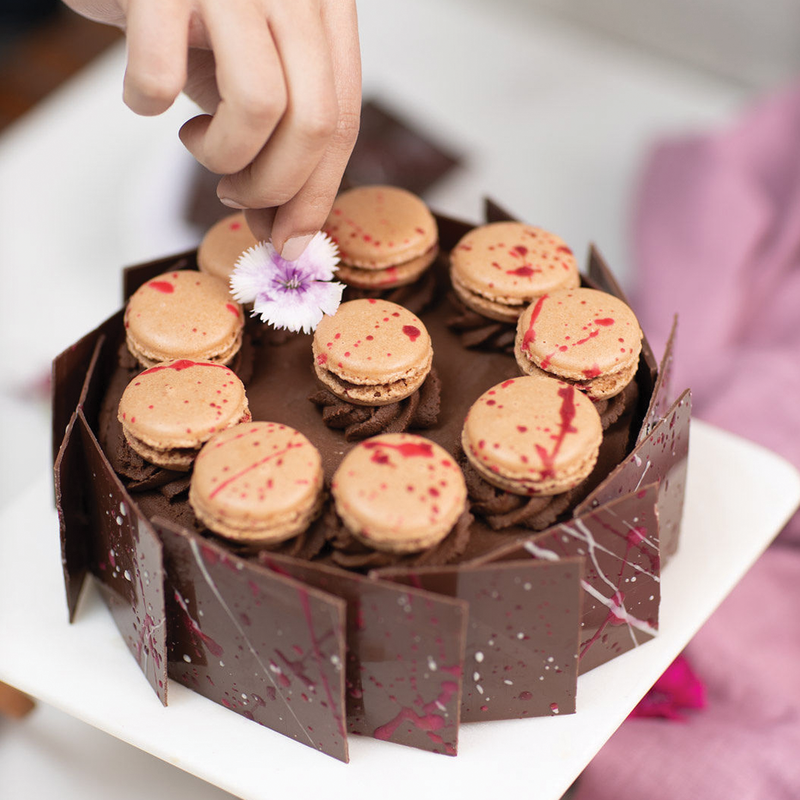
289, 294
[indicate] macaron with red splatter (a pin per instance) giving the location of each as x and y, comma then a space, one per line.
399, 493
532, 436
169, 411
386, 236
222, 245
259, 483
183, 314
372, 352
498, 269
584, 336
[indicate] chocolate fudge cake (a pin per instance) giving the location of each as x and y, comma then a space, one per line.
321, 634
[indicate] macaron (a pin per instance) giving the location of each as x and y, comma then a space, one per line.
184, 314
386, 236
258, 483
169, 411
584, 336
372, 352
532, 436
399, 493
222, 245
497, 269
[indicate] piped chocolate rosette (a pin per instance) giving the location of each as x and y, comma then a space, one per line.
529, 443
588, 338
374, 360
387, 240
498, 269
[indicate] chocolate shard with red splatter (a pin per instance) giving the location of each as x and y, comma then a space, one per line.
622, 576
521, 654
126, 560
405, 648
662, 457
262, 644
72, 503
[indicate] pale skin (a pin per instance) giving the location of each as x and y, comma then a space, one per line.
280, 82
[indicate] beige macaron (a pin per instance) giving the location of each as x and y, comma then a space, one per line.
584, 336
497, 269
399, 493
258, 483
169, 411
185, 314
222, 245
386, 236
372, 352
533, 436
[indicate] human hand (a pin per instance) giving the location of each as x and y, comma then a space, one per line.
280, 82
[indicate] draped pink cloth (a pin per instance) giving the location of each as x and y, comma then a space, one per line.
717, 238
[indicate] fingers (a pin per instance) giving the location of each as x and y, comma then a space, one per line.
301, 138
307, 211
260, 220
157, 37
252, 89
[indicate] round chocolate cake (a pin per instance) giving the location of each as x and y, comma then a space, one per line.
320, 635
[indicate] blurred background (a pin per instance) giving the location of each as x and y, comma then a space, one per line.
550, 107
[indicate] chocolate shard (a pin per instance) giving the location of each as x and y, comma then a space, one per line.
126, 560
262, 644
493, 212
73, 506
70, 371
404, 656
621, 581
522, 634
450, 231
661, 396
662, 457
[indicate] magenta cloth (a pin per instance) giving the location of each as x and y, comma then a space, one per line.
717, 238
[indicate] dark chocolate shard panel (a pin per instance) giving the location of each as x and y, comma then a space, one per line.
451, 230
405, 648
493, 212
73, 506
522, 636
661, 397
69, 376
126, 560
662, 457
622, 577
262, 644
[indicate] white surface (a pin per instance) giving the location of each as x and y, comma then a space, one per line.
86, 670
552, 123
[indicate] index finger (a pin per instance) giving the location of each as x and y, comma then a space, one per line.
307, 211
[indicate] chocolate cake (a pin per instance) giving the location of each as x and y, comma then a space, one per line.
316, 638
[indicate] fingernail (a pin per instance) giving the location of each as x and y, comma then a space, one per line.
295, 247
226, 201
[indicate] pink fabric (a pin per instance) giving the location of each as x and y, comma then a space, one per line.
718, 239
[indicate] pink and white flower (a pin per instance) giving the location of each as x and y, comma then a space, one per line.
289, 294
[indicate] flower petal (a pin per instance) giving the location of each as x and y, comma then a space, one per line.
320, 258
